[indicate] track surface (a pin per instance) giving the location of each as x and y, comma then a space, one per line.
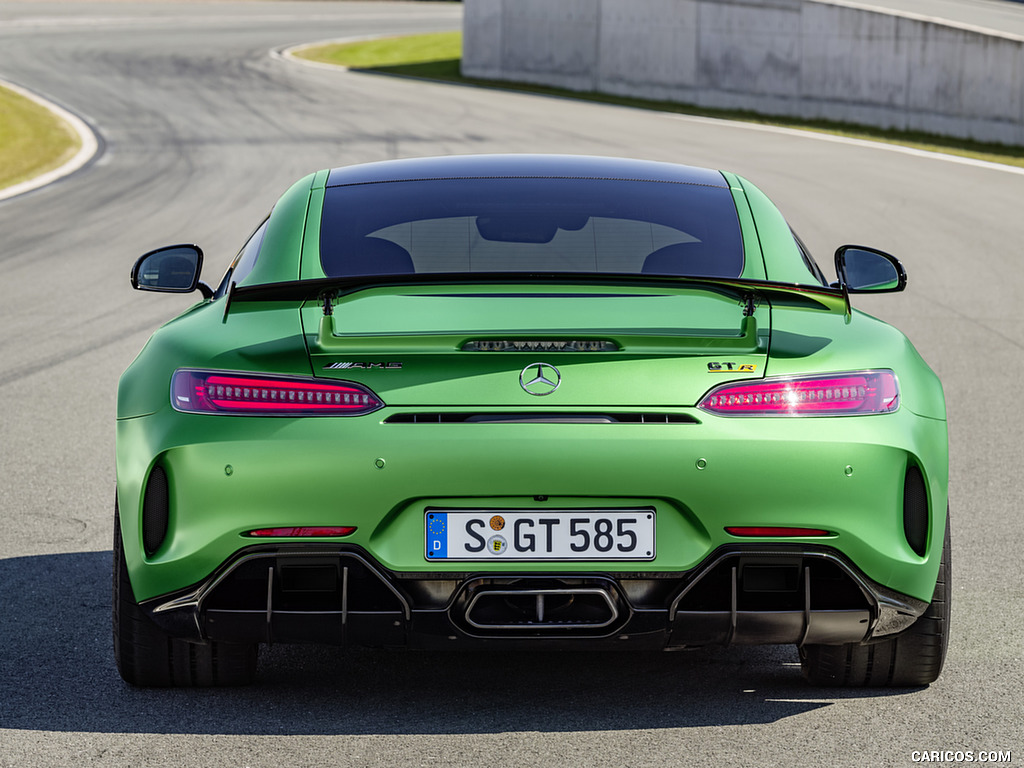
202, 130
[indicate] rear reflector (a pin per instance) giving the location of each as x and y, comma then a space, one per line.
775, 531
838, 394
245, 394
306, 532
156, 506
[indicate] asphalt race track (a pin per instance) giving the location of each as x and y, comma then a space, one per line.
201, 130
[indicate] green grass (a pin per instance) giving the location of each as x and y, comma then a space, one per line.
393, 53
438, 57
32, 139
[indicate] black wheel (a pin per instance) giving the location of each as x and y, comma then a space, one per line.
913, 657
148, 656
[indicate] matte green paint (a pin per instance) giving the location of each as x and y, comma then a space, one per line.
753, 260
323, 470
781, 255
283, 240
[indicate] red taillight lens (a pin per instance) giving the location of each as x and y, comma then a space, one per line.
244, 394
304, 532
762, 530
840, 394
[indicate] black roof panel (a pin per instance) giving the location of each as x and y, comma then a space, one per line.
497, 166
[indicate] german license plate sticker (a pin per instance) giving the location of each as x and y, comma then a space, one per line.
563, 534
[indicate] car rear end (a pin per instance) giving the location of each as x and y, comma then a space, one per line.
467, 454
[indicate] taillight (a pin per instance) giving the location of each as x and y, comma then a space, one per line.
253, 395
838, 394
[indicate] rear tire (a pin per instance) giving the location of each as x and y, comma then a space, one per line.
148, 656
913, 657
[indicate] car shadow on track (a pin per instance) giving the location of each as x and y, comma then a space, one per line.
57, 674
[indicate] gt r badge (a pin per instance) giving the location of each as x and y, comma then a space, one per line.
342, 366
539, 379
732, 367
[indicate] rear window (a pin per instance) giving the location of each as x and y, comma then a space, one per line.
530, 225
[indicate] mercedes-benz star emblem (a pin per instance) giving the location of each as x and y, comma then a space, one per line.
540, 379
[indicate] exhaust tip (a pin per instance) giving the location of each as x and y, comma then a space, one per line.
542, 609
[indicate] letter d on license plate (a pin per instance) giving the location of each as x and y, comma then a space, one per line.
559, 534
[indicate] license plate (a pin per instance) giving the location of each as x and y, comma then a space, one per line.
561, 534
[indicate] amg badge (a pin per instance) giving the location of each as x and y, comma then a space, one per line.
341, 366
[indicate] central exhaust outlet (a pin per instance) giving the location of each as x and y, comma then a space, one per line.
542, 608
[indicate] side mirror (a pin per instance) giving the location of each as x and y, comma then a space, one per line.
174, 269
867, 270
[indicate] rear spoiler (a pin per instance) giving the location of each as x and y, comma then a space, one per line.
748, 292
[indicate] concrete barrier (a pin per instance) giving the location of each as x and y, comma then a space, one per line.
826, 59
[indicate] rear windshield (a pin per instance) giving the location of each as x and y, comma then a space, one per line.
530, 225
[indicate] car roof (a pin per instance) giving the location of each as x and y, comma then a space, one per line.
513, 165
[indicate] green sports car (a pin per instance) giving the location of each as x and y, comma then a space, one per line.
529, 402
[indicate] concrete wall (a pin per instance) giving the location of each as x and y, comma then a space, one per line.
807, 58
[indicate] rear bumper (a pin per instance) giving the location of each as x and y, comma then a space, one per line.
228, 476
339, 595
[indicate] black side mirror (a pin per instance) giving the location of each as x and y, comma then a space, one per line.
174, 269
867, 270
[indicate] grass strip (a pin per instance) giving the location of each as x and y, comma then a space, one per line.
438, 56
32, 139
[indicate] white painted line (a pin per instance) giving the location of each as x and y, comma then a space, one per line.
865, 143
88, 150
30, 23
288, 54
937, 20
